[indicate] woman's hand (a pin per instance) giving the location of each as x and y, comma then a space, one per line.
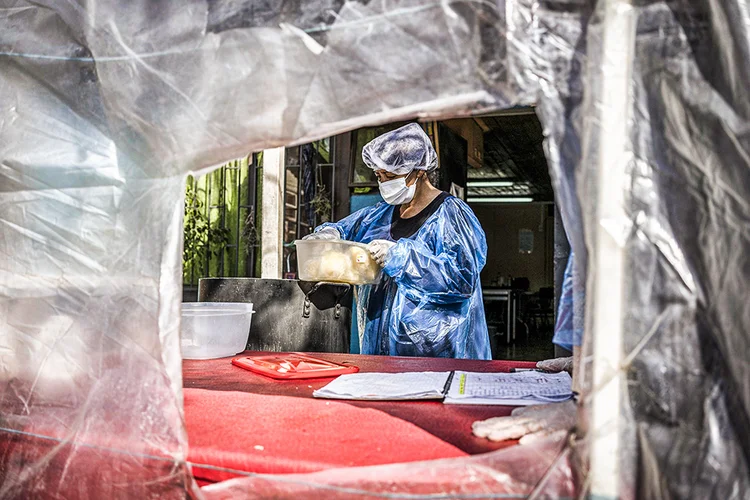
557, 365
529, 423
379, 250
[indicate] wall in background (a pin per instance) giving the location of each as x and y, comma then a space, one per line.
501, 223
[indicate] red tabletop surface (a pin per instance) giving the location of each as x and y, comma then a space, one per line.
240, 423
451, 423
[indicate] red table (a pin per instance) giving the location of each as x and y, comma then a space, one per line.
451, 424
240, 423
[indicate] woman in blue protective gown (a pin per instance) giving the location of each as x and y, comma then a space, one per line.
432, 249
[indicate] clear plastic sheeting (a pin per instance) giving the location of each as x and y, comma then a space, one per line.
541, 470
685, 397
106, 105
694, 245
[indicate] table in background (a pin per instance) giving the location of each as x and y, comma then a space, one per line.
509, 296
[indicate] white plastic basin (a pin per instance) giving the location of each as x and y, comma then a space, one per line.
337, 261
214, 329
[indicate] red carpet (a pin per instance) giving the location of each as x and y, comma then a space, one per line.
280, 434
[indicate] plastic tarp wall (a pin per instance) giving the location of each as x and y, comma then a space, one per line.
106, 105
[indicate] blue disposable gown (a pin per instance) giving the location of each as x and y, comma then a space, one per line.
429, 302
570, 310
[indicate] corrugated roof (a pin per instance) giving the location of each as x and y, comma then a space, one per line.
513, 152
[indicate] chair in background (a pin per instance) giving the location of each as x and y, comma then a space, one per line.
521, 284
540, 311
520, 288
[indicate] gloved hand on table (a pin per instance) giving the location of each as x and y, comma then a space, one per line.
529, 423
557, 365
327, 233
379, 250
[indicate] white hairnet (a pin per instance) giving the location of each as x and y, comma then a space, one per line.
401, 151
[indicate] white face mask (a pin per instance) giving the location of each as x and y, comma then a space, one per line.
396, 192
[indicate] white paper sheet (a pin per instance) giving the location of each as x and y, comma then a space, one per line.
512, 389
386, 386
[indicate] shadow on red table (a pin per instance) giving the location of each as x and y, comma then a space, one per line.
235, 433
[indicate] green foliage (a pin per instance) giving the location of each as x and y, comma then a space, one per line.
259, 215
321, 203
220, 231
250, 232
201, 238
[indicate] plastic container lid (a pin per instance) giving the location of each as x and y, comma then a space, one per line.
292, 366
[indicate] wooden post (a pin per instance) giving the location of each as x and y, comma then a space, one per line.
272, 249
608, 308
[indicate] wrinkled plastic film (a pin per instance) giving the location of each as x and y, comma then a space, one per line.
541, 470
683, 402
361, 299
88, 287
186, 105
106, 109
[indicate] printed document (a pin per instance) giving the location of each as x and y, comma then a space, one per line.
512, 389
387, 386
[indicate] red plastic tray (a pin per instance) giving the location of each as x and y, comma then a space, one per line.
291, 366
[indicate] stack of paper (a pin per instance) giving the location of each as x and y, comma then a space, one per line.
512, 389
387, 386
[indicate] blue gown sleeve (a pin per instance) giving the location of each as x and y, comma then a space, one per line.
444, 269
570, 310
349, 227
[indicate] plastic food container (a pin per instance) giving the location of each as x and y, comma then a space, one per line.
338, 261
214, 329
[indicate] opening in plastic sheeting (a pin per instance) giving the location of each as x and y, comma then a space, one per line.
106, 107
